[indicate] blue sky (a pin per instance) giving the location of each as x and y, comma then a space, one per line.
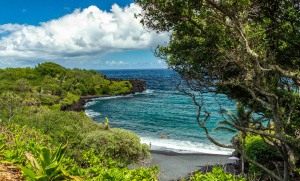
91, 34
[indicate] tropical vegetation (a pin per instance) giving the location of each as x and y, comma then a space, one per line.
247, 50
48, 143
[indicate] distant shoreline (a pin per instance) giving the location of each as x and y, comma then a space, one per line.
174, 166
173, 153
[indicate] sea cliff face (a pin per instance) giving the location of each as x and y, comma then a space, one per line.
138, 86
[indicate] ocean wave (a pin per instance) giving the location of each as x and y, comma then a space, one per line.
91, 113
113, 97
184, 146
147, 91
88, 104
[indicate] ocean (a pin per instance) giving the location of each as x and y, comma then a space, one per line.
161, 109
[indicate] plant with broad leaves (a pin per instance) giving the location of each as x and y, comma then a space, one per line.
51, 167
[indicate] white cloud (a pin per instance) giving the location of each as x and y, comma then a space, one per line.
159, 62
115, 63
24, 10
84, 34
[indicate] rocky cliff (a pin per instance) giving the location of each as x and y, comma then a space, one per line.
138, 86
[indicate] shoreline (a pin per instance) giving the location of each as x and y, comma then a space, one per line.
174, 166
173, 153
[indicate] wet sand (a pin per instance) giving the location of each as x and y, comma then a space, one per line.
177, 165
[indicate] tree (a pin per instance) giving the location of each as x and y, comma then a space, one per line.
12, 103
242, 119
248, 50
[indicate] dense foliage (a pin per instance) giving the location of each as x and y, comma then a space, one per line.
50, 84
32, 100
257, 149
28, 148
216, 174
248, 50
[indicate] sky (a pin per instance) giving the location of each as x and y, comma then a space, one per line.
89, 34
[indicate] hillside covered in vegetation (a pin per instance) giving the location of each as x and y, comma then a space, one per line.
32, 120
48, 143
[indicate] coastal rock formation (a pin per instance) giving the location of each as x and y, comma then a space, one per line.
235, 141
137, 86
76, 106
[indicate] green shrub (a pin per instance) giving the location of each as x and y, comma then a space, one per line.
256, 149
20, 139
105, 90
69, 99
49, 100
52, 167
77, 92
119, 144
55, 107
79, 130
92, 91
120, 87
83, 89
98, 169
49, 68
216, 174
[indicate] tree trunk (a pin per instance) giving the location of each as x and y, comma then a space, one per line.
243, 160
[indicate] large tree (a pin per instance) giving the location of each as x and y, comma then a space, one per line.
246, 49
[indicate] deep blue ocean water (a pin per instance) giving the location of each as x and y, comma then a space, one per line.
161, 110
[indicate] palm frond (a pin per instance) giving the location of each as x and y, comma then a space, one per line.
224, 129
224, 123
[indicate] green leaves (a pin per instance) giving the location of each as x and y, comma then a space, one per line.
216, 174
52, 167
267, 20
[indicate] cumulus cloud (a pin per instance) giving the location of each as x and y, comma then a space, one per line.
114, 63
84, 34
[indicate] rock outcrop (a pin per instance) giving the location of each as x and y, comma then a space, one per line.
76, 106
137, 86
235, 141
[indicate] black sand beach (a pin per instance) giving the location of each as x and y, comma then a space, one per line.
177, 165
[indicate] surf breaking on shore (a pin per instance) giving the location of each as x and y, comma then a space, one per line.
178, 146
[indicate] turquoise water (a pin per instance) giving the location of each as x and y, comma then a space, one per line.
161, 110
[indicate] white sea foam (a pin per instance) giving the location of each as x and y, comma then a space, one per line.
88, 104
184, 146
147, 91
91, 113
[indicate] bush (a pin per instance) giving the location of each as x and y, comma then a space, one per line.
47, 101
105, 90
216, 174
55, 107
68, 100
20, 139
79, 130
83, 89
256, 149
92, 91
120, 87
121, 145
17, 143
77, 92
